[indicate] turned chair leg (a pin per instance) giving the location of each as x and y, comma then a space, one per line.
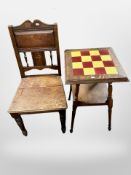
20, 123
110, 105
63, 120
70, 93
73, 118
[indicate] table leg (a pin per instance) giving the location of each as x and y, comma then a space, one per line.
74, 107
110, 105
70, 92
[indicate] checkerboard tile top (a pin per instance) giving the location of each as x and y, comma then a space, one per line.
92, 62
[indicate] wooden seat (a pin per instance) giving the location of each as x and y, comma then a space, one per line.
36, 94
36, 47
92, 93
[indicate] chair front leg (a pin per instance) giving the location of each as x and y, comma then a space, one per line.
20, 123
63, 120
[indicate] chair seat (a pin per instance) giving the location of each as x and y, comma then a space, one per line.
92, 93
39, 94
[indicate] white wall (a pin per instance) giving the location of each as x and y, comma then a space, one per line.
91, 149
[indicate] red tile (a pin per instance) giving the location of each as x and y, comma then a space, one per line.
76, 59
108, 63
78, 72
104, 52
87, 64
100, 71
96, 58
85, 53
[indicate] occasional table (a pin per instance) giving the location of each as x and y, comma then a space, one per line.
87, 72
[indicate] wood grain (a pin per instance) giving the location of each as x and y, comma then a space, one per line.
39, 94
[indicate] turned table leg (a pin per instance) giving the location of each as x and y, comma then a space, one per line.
70, 92
110, 105
73, 117
20, 123
74, 107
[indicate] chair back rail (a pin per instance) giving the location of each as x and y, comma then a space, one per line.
37, 38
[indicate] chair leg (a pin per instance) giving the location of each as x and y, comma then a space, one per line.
70, 93
63, 120
73, 118
20, 123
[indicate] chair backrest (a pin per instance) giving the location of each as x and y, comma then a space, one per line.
36, 38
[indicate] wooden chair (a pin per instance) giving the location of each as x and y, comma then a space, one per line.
94, 94
37, 93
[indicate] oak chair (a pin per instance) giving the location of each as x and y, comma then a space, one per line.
36, 46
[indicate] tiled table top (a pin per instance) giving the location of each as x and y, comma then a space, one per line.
93, 65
